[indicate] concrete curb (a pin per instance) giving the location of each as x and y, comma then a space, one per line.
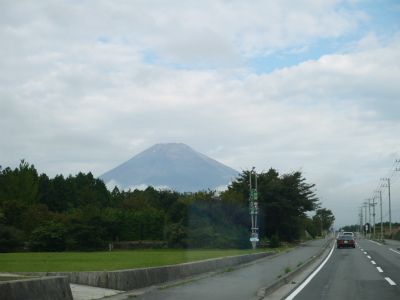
46, 288
125, 280
265, 291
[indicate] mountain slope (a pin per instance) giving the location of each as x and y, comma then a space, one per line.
172, 165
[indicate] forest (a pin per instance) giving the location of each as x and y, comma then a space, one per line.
79, 213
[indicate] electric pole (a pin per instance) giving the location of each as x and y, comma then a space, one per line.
373, 212
253, 209
369, 216
380, 200
365, 219
390, 205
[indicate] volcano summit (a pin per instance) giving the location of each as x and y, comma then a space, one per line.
174, 166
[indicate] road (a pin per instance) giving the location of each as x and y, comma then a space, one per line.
236, 284
370, 271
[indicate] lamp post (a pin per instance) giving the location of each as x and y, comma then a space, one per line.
253, 197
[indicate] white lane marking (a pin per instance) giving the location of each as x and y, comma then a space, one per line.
375, 242
394, 251
391, 282
372, 262
365, 253
379, 269
369, 256
305, 282
362, 249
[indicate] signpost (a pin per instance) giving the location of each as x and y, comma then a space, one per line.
253, 209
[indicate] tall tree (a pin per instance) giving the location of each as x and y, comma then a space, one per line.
283, 202
323, 219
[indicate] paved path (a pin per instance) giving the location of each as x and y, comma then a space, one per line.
236, 284
79, 292
370, 271
84, 292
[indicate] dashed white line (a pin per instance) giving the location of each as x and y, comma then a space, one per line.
365, 253
391, 282
379, 269
372, 262
369, 256
394, 251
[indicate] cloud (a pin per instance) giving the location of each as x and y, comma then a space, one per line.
78, 91
207, 32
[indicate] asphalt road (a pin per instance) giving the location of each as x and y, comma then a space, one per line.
236, 284
370, 271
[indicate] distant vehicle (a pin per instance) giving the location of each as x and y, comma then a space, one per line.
346, 240
347, 233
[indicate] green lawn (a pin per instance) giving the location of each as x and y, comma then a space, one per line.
96, 261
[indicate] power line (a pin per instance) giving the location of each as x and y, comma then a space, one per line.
389, 179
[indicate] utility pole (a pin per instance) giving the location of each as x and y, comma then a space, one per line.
365, 219
390, 205
380, 200
253, 209
373, 213
369, 216
369, 211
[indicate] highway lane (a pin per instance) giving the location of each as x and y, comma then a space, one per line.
370, 271
385, 257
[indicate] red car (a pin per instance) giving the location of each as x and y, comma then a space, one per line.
345, 241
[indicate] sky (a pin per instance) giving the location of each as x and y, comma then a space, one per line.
293, 85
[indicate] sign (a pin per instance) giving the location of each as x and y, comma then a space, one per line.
254, 239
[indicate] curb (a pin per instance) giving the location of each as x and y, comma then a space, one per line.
263, 292
55, 288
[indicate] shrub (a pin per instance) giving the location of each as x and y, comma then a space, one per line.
48, 237
176, 236
10, 239
85, 237
275, 242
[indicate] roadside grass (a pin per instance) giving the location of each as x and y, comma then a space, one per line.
115, 260
287, 269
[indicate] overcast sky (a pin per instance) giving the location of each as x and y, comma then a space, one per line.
294, 85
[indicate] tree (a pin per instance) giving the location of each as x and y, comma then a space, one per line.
283, 202
20, 184
323, 219
48, 237
11, 239
79, 213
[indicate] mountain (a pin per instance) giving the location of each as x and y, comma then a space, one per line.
173, 165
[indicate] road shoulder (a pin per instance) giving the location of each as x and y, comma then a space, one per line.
285, 285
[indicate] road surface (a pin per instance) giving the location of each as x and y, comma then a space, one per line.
242, 283
370, 271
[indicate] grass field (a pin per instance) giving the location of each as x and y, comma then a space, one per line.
96, 261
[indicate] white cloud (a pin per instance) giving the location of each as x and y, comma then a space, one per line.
77, 92
193, 32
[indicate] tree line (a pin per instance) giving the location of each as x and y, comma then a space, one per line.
39, 213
